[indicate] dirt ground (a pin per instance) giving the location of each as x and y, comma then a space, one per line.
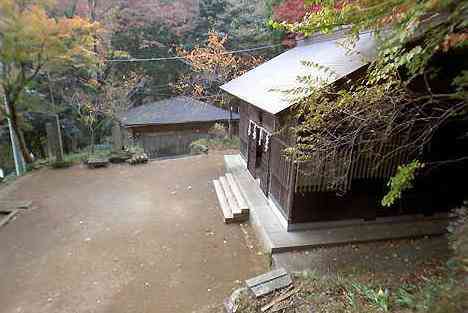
385, 258
124, 239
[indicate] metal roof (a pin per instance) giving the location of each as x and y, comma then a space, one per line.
175, 110
265, 85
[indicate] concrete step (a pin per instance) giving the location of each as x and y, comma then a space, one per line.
223, 202
233, 205
237, 194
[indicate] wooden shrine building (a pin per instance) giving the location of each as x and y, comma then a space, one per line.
302, 192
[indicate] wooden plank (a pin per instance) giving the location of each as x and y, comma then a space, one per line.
279, 299
282, 307
261, 279
228, 217
8, 217
14, 204
272, 285
237, 193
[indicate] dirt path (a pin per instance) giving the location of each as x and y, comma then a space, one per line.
123, 239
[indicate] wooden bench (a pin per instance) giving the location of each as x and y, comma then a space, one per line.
95, 163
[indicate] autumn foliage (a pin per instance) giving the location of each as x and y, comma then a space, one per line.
213, 65
292, 11
32, 42
44, 40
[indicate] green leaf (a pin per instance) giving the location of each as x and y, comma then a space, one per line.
403, 180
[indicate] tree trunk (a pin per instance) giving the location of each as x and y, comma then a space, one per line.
92, 139
22, 144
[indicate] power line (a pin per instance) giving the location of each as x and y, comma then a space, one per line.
182, 58
313, 39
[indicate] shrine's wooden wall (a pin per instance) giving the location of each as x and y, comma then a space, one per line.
436, 190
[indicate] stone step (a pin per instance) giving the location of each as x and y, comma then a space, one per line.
223, 203
231, 200
237, 194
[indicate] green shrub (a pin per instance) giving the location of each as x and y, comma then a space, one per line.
377, 297
448, 294
203, 145
197, 147
218, 131
120, 156
61, 164
230, 143
75, 157
458, 230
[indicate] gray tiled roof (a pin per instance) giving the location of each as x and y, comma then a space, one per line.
265, 85
175, 110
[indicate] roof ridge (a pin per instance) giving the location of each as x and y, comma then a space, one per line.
319, 37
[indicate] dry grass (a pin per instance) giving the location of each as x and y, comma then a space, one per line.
430, 289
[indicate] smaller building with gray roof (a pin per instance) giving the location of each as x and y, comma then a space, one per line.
169, 126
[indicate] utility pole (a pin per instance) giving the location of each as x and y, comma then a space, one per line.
20, 165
